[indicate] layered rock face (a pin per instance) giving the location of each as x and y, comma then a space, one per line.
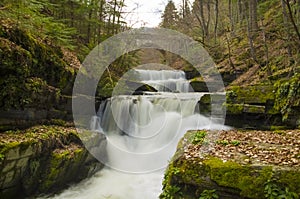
43, 159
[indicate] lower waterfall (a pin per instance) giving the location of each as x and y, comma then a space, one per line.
148, 125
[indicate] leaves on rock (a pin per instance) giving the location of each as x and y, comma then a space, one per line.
252, 147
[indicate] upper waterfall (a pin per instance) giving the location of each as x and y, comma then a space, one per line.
165, 80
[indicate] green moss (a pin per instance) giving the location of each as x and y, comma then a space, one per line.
234, 108
56, 167
36, 134
35, 72
176, 177
278, 129
193, 175
290, 179
64, 164
258, 94
5, 147
288, 96
254, 109
58, 122
246, 178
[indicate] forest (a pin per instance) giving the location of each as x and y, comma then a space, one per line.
160, 138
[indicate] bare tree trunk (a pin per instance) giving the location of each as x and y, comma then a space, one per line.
72, 13
208, 17
298, 11
101, 20
292, 20
253, 14
250, 36
205, 30
216, 19
119, 15
114, 17
285, 23
88, 36
230, 15
200, 18
229, 52
269, 71
183, 8
240, 12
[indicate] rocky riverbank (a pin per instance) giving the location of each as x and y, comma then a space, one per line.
235, 164
43, 159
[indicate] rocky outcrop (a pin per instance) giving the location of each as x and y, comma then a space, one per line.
43, 159
26, 117
37, 77
253, 107
235, 165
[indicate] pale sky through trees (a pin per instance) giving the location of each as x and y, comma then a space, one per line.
146, 12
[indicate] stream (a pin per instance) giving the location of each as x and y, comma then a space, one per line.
140, 145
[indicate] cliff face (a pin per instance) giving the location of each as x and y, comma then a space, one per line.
43, 159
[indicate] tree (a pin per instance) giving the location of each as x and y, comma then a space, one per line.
201, 11
253, 15
170, 16
292, 20
216, 19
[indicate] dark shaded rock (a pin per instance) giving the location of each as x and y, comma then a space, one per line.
199, 86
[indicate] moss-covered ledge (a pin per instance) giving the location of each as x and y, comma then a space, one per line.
250, 164
42, 159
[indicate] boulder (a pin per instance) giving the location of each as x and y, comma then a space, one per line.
235, 164
43, 159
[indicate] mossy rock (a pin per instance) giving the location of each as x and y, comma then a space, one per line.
288, 99
42, 159
190, 173
34, 70
257, 94
63, 167
29, 92
198, 86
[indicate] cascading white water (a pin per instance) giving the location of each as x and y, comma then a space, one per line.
165, 80
150, 125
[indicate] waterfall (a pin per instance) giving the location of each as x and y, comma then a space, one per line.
142, 134
165, 80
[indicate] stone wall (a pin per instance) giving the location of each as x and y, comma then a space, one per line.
43, 159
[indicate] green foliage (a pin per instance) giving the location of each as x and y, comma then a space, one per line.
273, 191
235, 142
288, 95
29, 16
170, 16
19, 93
199, 137
2, 157
209, 194
171, 192
222, 142
226, 142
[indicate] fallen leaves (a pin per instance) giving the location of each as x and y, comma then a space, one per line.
251, 147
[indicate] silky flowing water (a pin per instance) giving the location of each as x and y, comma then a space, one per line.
146, 129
